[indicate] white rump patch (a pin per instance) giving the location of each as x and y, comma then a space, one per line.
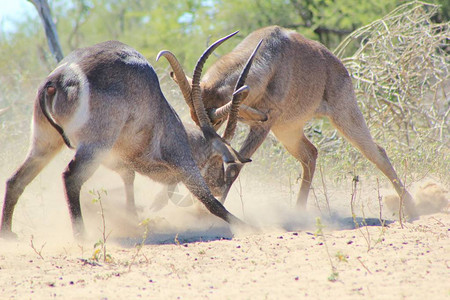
81, 114
58, 67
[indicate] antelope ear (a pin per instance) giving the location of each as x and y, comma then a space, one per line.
174, 78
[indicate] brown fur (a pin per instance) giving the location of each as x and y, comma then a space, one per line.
292, 80
107, 104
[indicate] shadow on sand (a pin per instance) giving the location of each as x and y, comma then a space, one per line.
215, 233
180, 238
353, 223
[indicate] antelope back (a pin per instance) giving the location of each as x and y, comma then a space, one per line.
290, 74
99, 90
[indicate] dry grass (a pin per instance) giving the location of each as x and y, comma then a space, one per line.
401, 78
402, 81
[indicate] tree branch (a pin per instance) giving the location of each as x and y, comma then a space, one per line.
50, 28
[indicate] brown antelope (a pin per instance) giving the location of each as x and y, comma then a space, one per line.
105, 102
293, 79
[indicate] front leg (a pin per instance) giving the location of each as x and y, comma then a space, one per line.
255, 138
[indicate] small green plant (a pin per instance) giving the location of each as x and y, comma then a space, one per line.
325, 193
380, 205
176, 240
353, 199
100, 251
38, 252
341, 256
334, 276
365, 233
146, 225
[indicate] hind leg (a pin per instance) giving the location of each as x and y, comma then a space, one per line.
301, 148
350, 122
31, 167
46, 143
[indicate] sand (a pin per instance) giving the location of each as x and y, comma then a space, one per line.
371, 262
188, 254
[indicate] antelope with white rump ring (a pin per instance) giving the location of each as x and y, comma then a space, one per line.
105, 102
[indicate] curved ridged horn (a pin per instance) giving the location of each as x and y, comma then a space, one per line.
244, 73
246, 112
196, 91
181, 80
233, 105
238, 97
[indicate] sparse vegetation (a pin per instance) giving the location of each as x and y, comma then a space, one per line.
402, 80
341, 256
400, 65
334, 276
36, 250
100, 249
146, 225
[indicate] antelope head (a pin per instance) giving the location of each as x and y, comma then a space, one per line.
208, 120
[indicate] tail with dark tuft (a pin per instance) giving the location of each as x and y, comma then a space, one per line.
49, 92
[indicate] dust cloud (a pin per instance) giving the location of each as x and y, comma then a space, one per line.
262, 201
42, 212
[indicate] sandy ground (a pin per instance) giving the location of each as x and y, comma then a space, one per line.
187, 254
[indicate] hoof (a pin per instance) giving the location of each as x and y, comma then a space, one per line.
8, 235
241, 228
80, 237
79, 232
